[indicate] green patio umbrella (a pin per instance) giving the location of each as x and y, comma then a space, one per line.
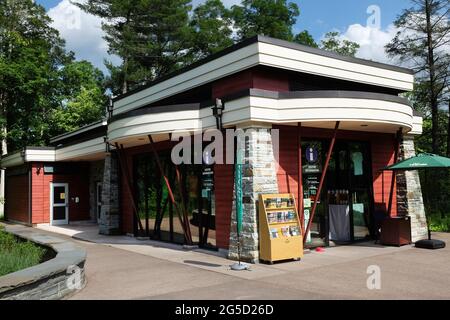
421, 162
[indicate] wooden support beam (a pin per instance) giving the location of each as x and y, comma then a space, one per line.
125, 169
183, 206
169, 190
300, 178
322, 179
393, 177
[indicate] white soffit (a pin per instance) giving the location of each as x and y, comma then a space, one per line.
300, 61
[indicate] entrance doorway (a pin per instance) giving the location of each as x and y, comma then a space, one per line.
59, 203
344, 210
157, 213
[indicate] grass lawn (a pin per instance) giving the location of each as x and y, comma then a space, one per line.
16, 254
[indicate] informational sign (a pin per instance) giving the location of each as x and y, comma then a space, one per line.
62, 196
207, 181
307, 203
238, 188
312, 155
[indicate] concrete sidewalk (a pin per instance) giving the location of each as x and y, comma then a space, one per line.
125, 268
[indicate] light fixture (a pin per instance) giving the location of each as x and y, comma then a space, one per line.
110, 107
364, 125
218, 112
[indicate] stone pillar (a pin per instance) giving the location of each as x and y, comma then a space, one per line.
409, 193
109, 223
259, 176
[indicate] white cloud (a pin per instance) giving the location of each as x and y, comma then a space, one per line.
371, 40
82, 32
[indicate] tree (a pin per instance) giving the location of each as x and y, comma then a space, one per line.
30, 55
422, 42
211, 24
273, 18
150, 36
331, 42
82, 96
306, 39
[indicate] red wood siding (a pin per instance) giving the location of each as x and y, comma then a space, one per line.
16, 205
382, 156
223, 184
78, 187
257, 78
382, 153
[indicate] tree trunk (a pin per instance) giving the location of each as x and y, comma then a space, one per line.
448, 131
4, 151
432, 90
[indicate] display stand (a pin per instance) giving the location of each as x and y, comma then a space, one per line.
280, 235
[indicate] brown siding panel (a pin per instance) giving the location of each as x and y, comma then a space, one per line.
16, 205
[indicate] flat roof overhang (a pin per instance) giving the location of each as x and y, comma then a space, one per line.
356, 111
270, 52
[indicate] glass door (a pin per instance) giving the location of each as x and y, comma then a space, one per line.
59, 203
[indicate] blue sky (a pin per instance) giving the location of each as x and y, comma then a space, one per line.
317, 16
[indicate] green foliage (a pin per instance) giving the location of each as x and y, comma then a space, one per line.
30, 54
439, 223
82, 98
331, 42
211, 23
16, 254
151, 37
43, 91
306, 39
422, 43
273, 18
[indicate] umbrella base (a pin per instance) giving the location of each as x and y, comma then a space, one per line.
430, 244
240, 267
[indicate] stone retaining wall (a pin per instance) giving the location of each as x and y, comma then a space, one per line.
51, 280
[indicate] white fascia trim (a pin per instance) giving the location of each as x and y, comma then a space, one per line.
417, 128
269, 55
299, 61
161, 123
39, 155
318, 110
12, 160
85, 148
231, 63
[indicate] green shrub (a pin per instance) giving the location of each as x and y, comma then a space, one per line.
16, 254
439, 223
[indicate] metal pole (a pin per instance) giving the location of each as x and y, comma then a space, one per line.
322, 179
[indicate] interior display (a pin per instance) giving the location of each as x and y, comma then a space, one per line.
339, 222
279, 228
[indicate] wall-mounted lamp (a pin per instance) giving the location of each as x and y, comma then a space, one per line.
110, 107
218, 112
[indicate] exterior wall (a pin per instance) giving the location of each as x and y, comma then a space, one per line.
78, 187
382, 152
17, 192
95, 176
223, 184
256, 78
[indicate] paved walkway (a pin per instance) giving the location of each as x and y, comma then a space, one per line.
126, 268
